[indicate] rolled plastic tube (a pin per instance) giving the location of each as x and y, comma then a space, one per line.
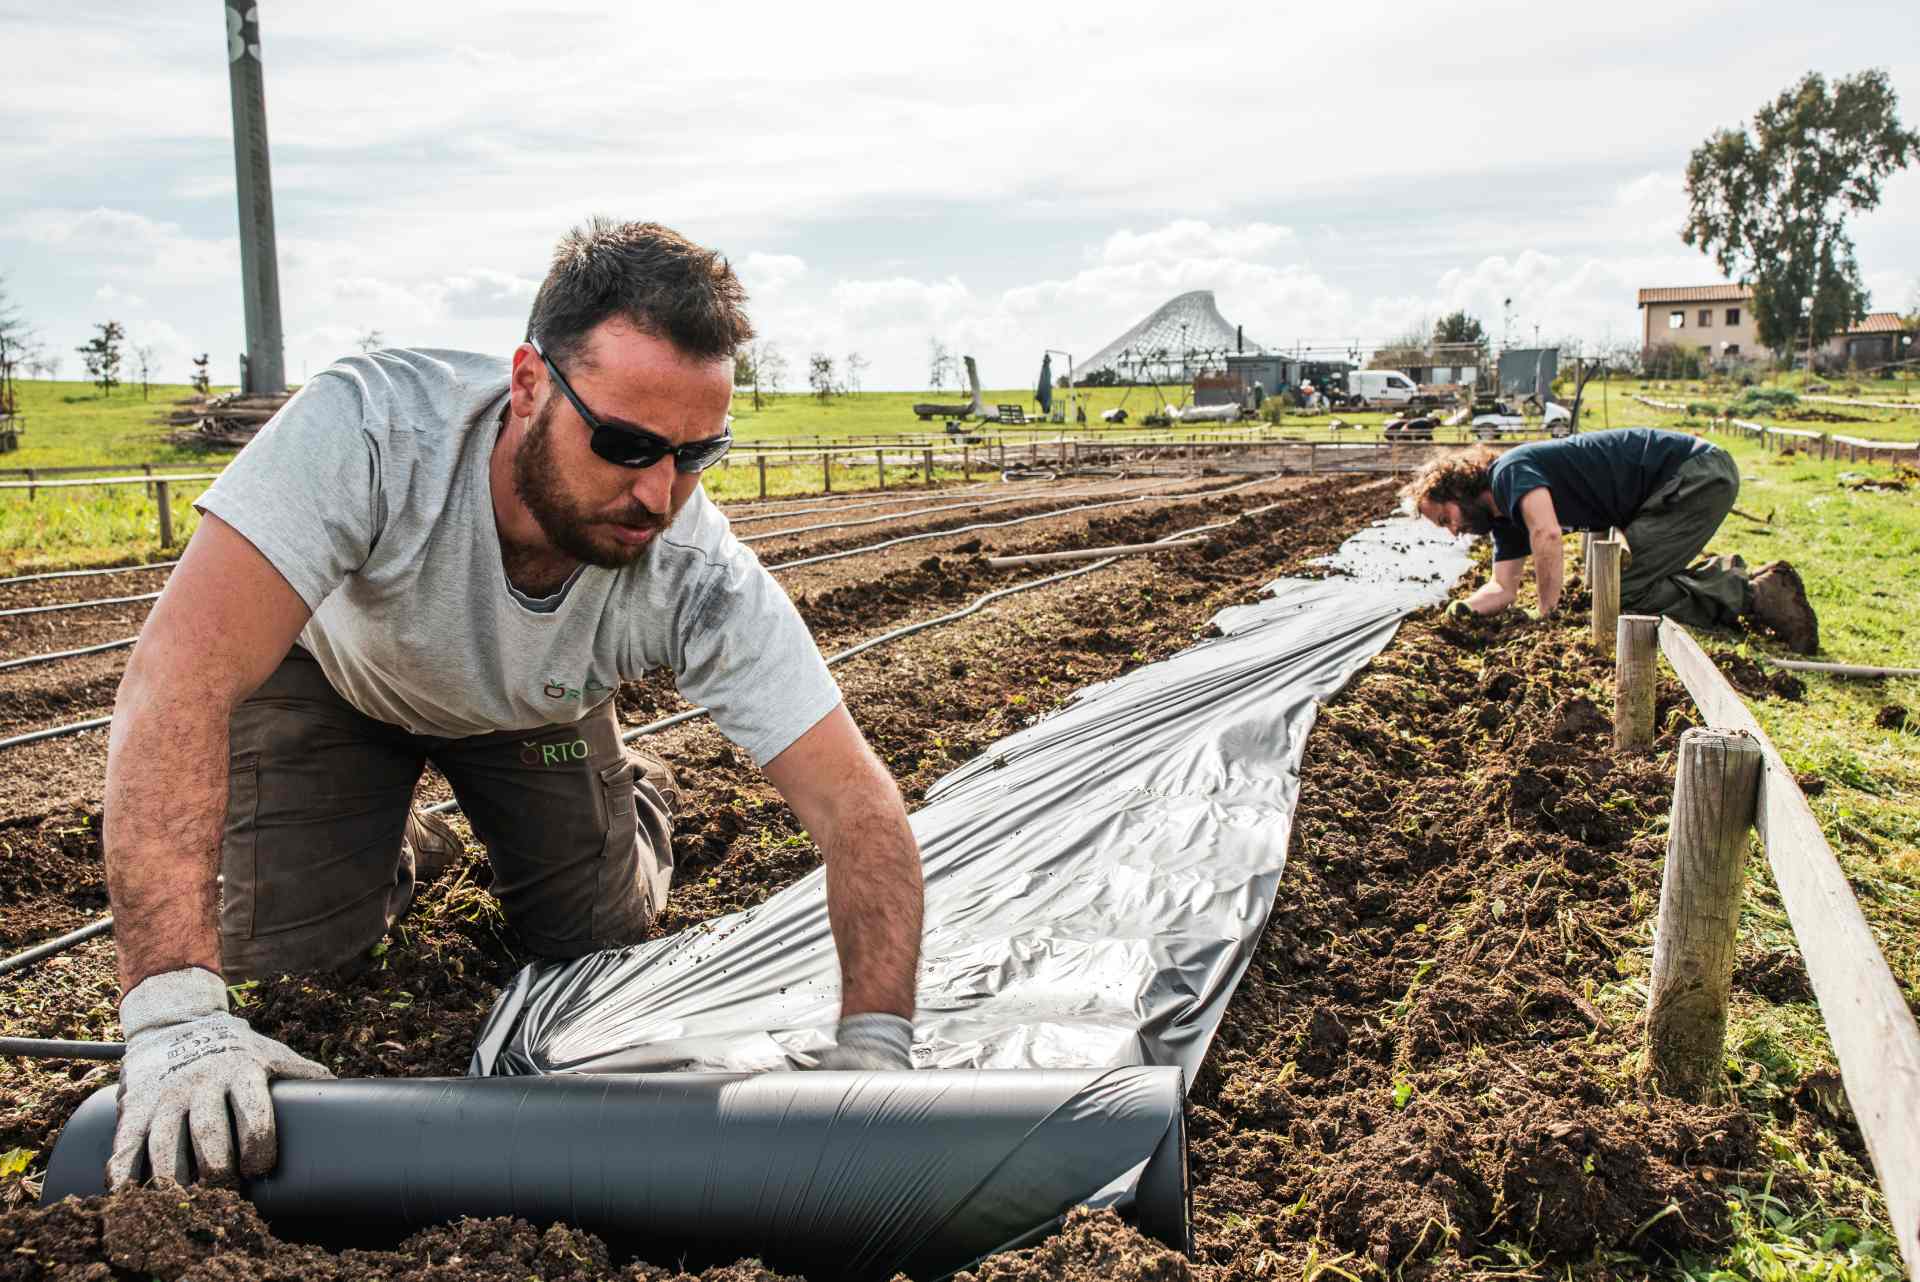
855, 1175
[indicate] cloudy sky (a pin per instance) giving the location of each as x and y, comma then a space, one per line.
1009, 178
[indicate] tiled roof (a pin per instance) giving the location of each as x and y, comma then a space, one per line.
1696, 294
1879, 323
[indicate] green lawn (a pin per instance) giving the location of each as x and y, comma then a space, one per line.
73, 425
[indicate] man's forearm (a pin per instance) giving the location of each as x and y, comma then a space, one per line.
166, 802
1549, 567
875, 905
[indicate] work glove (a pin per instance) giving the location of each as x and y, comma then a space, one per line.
872, 1042
1460, 610
187, 1060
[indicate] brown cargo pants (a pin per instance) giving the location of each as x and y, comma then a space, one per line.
317, 800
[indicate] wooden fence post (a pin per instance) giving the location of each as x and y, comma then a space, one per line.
966, 462
929, 458
1714, 794
763, 476
1606, 593
826, 471
148, 469
164, 492
1636, 649
32, 493
880, 462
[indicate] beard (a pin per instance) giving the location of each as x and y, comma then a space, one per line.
1475, 519
568, 524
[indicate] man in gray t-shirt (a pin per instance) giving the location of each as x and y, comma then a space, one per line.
439, 556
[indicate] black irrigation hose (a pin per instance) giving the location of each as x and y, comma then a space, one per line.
58, 944
32, 659
81, 574
55, 1048
902, 497
53, 732
1018, 520
79, 727
77, 605
692, 714
886, 517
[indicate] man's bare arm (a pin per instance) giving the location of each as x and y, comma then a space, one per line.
852, 807
1498, 592
221, 626
1548, 544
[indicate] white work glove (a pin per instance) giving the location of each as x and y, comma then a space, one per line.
186, 1061
872, 1042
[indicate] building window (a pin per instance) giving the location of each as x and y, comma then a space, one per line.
1733, 349
1676, 320
1706, 317
1733, 315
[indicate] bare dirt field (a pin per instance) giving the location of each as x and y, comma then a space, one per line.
1422, 1075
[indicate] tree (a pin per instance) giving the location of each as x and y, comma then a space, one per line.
143, 361
940, 367
16, 346
1771, 207
102, 356
1458, 328
855, 364
371, 341
820, 375
759, 365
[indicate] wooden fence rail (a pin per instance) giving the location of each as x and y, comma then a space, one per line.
1866, 1015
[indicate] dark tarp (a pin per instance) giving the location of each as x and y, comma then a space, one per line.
1044, 391
1095, 883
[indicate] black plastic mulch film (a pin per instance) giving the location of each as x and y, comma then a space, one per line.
1095, 883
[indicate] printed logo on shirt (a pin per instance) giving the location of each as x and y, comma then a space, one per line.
553, 754
558, 689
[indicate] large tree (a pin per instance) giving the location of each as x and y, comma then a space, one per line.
102, 355
1458, 328
1771, 205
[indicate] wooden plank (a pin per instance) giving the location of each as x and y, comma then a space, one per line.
104, 480
1874, 1036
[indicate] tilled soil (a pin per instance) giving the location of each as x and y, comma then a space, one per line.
1428, 1071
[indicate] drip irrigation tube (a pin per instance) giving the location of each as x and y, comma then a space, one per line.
77, 605
54, 1048
1018, 520
81, 574
58, 944
10, 664
79, 727
53, 732
854, 1175
893, 516
833, 503
894, 500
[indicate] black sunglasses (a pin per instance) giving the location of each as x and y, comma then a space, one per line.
636, 447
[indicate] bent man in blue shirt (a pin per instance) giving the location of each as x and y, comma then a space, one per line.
1667, 492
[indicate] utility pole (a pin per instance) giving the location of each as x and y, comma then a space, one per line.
264, 371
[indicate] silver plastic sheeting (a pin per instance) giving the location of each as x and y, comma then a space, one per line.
1095, 883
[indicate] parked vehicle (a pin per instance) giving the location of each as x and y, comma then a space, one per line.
1504, 420
1411, 429
1372, 387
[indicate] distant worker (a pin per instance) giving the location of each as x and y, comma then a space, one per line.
1667, 492
446, 557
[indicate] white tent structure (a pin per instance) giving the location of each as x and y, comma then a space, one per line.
1183, 336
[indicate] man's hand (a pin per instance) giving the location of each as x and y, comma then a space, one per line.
187, 1060
872, 1042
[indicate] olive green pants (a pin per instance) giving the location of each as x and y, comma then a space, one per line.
1669, 532
318, 794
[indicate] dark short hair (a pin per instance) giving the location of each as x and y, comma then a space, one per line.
650, 276
1452, 478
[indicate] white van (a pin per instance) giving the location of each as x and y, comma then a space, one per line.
1367, 387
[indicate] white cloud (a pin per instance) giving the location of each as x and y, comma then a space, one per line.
108, 296
767, 275
1192, 238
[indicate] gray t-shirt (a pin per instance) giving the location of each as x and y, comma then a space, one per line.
369, 493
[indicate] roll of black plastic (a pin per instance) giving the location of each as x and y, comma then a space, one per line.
855, 1175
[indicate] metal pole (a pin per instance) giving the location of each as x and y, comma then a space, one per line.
266, 373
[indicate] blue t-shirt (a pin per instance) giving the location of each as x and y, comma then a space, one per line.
1598, 480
